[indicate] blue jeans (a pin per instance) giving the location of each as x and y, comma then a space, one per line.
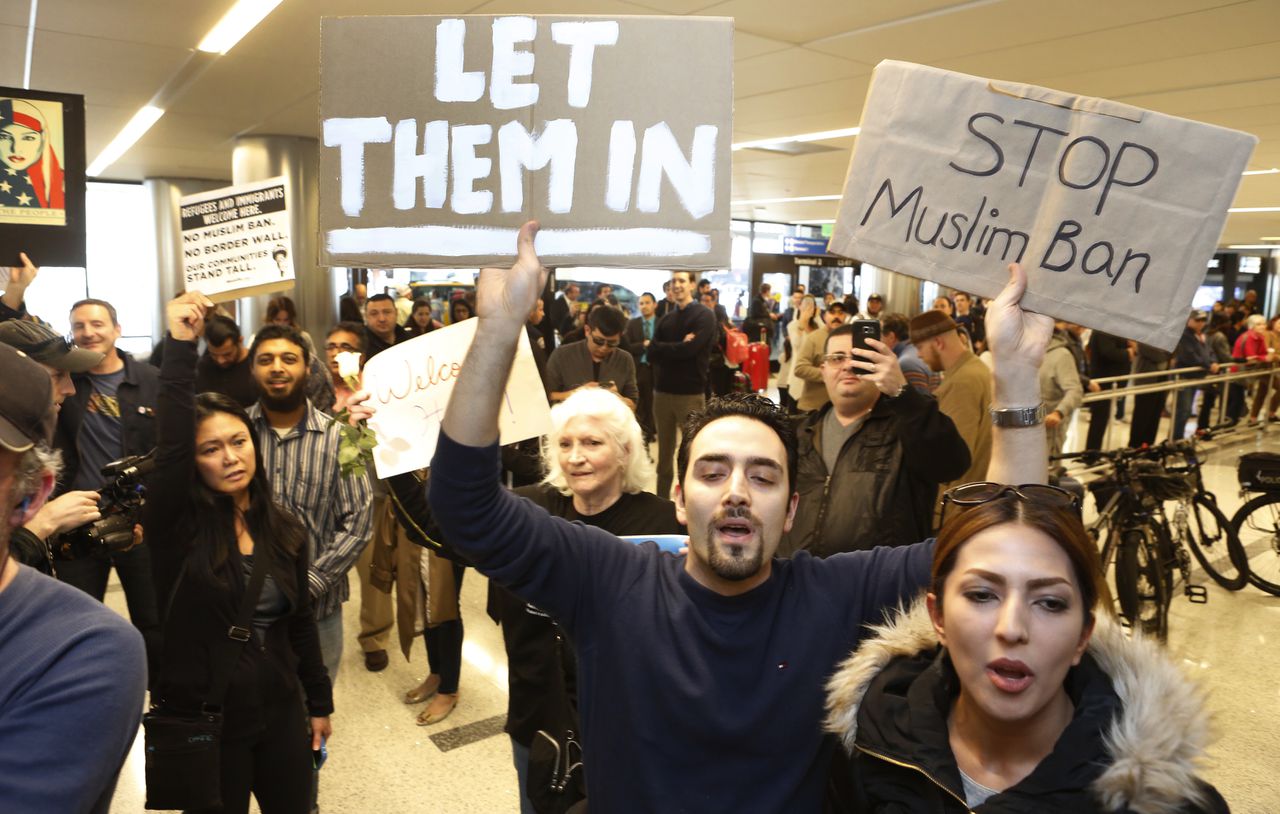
1182, 411
330, 630
520, 757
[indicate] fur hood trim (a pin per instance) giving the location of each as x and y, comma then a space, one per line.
1156, 744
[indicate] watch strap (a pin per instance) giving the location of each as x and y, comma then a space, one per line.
1013, 417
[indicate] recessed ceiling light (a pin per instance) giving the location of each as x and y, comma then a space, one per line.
137, 127
821, 135
801, 199
237, 22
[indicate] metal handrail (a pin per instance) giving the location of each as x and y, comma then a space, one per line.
1151, 374
1179, 384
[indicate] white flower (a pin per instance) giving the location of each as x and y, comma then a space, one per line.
348, 364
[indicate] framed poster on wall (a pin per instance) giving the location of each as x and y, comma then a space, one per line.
42, 163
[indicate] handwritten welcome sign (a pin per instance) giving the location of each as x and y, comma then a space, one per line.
1114, 211
411, 383
235, 240
441, 135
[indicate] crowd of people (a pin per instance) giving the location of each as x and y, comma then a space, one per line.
739, 673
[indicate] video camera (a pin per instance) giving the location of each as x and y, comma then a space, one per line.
120, 504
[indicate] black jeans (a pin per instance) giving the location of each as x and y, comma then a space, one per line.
1146, 418
274, 764
89, 574
444, 645
1099, 417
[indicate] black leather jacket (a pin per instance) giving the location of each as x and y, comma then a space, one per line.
885, 481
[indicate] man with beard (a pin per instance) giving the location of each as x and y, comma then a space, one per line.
700, 676
225, 367
299, 448
72, 672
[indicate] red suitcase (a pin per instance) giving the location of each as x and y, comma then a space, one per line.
757, 366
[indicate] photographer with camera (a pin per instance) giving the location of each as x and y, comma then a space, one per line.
72, 672
107, 414
60, 359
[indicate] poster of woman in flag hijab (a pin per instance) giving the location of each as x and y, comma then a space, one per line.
31, 181
41, 177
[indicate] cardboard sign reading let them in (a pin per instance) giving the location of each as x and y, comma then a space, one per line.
442, 135
235, 240
411, 383
1114, 211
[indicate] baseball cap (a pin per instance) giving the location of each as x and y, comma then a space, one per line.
43, 345
875, 297
930, 324
1198, 315
26, 402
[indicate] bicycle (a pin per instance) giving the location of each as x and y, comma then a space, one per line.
1257, 522
1146, 545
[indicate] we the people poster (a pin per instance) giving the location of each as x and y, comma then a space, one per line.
42, 180
32, 183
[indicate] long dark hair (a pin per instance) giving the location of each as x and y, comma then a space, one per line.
211, 519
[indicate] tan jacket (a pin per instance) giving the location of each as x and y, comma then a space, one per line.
965, 398
808, 366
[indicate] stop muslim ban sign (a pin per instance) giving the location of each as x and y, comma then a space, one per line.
442, 135
1114, 211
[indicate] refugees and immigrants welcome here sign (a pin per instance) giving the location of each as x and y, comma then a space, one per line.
235, 240
442, 135
1114, 211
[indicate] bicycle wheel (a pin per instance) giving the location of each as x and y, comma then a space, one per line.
1142, 584
1213, 541
1257, 524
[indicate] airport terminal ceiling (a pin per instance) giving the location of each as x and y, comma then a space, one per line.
801, 67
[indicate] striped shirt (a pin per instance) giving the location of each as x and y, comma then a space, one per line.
336, 511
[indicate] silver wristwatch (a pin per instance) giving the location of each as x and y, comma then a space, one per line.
1017, 416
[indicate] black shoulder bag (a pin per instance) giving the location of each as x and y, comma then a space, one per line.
183, 749
555, 784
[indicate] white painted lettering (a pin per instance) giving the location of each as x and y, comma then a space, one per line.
622, 165
350, 135
508, 63
469, 168
453, 84
582, 39
694, 179
431, 165
557, 145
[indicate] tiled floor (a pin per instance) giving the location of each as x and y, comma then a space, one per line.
380, 761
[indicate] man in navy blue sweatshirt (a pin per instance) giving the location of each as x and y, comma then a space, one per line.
701, 677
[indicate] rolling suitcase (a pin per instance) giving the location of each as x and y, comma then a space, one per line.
757, 366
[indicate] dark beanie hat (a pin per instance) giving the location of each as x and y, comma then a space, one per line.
930, 324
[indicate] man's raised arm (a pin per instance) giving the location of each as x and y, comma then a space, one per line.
504, 299
1017, 339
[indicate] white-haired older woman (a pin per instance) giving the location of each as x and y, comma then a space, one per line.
597, 473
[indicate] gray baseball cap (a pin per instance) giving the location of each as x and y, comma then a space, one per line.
26, 402
45, 346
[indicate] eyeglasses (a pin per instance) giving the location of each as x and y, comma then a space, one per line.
341, 346
604, 343
968, 495
839, 359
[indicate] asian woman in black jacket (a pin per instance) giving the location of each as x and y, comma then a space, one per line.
209, 513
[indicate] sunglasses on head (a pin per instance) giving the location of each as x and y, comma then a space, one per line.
968, 495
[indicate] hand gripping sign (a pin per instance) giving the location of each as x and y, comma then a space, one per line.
1113, 210
441, 135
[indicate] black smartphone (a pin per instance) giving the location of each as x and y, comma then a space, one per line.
864, 329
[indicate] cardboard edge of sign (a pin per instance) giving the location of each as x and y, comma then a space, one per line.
253, 291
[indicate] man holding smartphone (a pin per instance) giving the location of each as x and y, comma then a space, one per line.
870, 460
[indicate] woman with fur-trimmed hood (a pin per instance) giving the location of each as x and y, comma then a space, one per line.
1002, 691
